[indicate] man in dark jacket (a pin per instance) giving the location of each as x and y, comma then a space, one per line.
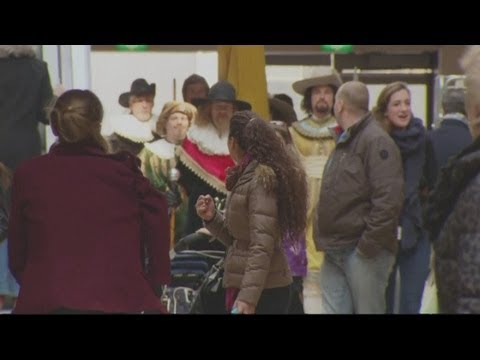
450, 138
357, 215
25, 93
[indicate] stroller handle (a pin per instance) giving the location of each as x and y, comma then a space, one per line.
214, 254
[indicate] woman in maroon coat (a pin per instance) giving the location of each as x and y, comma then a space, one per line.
80, 219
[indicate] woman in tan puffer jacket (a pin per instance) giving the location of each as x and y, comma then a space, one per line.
267, 203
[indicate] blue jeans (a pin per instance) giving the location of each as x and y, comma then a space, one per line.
353, 284
8, 285
414, 265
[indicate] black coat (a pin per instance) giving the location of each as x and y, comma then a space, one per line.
452, 214
25, 92
448, 140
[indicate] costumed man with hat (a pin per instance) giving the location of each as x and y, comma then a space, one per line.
204, 157
159, 160
314, 139
131, 131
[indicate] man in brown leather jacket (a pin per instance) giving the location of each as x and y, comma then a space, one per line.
358, 210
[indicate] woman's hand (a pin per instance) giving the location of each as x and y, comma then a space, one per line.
205, 207
244, 308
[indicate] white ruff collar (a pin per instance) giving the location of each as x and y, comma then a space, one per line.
207, 140
129, 127
162, 148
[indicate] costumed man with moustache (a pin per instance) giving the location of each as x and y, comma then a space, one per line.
314, 138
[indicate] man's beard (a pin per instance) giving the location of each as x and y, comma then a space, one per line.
222, 125
323, 108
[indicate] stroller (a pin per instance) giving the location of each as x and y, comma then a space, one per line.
197, 273
192, 269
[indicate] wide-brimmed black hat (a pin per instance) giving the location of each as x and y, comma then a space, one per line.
139, 87
223, 91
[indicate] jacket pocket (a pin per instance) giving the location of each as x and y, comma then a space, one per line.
351, 177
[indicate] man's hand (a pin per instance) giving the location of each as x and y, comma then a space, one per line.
174, 198
205, 207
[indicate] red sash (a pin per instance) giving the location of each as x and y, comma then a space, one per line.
210, 168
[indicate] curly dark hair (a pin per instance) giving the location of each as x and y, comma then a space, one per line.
260, 141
